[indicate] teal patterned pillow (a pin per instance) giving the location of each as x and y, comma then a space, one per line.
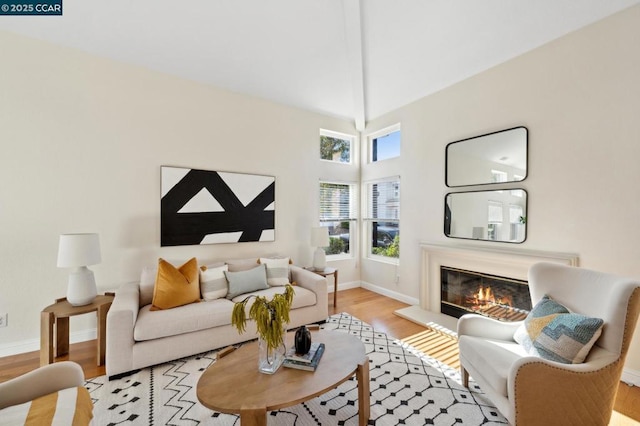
552, 332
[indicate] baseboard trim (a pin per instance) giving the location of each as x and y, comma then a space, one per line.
390, 293
344, 286
631, 377
32, 345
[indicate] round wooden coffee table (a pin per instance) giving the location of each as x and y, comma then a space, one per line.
234, 385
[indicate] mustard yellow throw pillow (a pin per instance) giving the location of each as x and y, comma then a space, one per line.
176, 286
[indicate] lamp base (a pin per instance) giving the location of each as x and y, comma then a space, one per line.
82, 287
319, 259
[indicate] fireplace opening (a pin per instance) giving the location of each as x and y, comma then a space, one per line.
501, 298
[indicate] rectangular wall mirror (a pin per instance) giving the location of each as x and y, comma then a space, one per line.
492, 158
487, 215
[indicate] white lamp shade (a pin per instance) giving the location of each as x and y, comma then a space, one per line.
76, 250
320, 236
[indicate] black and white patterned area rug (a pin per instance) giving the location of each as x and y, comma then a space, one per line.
407, 387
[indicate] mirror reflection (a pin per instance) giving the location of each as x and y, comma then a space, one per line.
487, 215
492, 158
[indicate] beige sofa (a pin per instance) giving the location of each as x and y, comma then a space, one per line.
138, 337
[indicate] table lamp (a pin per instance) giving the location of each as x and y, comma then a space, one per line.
78, 251
319, 239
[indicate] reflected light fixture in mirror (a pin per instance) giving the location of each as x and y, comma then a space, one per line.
498, 215
491, 158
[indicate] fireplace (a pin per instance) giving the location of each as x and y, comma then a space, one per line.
501, 298
512, 263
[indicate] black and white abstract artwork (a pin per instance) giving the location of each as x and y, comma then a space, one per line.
208, 207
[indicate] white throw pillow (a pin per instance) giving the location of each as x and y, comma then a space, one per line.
277, 271
213, 283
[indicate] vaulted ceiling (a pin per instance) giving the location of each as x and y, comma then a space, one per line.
355, 59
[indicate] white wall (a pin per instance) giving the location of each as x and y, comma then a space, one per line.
82, 141
579, 97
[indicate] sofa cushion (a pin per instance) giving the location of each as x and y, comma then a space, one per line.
302, 297
246, 281
200, 316
552, 332
213, 283
176, 286
277, 270
184, 319
492, 359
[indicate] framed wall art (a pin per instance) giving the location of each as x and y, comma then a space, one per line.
210, 207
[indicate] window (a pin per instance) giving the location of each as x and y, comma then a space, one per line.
494, 219
335, 147
498, 176
516, 218
338, 212
385, 144
383, 218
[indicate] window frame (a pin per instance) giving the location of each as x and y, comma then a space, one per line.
341, 136
381, 133
369, 219
353, 221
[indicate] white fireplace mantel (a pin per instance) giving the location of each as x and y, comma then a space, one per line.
500, 261
503, 262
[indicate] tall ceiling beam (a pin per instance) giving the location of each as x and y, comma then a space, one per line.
353, 33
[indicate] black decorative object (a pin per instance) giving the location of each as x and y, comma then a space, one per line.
302, 340
209, 207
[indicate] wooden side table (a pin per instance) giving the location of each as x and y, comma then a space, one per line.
325, 273
58, 314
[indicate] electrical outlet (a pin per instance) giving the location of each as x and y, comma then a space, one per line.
4, 320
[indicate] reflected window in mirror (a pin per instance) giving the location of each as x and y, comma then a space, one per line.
494, 220
496, 157
487, 215
498, 176
516, 216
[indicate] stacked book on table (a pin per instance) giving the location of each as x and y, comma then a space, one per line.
308, 361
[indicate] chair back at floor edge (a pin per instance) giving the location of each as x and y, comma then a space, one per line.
592, 394
541, 392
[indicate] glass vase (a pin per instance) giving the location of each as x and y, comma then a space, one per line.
269, 360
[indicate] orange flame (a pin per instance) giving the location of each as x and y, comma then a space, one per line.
485, 295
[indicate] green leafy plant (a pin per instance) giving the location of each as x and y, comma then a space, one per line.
393, 250
336, 246
269, 315
330, 146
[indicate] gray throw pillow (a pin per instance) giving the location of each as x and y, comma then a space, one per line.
246, 281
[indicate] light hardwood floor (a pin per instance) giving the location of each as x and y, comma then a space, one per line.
370, 307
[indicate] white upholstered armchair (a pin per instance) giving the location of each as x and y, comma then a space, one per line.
52, 394
531, 390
